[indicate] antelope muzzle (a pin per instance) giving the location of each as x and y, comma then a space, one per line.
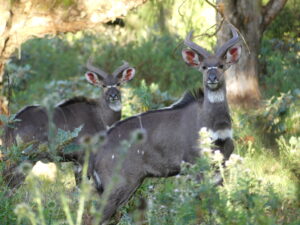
212, 81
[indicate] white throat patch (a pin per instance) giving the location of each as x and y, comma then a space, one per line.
221, 134
216, 96
116, 106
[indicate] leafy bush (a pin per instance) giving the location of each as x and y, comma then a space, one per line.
290, 151
280, 62
286, 25
281, 114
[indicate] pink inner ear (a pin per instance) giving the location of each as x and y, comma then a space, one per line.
128, 74
234, 53
91, 77
190, 56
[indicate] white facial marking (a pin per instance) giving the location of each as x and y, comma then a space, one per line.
221, 134
216, 96
212, 67
98, 180
112, 156
111, 86
143, 152
138, 151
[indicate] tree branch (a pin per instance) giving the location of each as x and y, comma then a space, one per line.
270, 11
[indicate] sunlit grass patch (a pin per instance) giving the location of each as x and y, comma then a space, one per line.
263, 156
49, 174
269, 170
42, 192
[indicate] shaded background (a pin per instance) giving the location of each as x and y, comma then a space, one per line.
150, 39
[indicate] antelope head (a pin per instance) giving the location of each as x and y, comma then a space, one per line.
212, 66
110, 83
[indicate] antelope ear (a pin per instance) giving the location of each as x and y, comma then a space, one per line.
233, 54
128, 74
94, 78
191, 58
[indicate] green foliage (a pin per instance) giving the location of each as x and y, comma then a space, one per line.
281, 114
145, 97
260, 188
286, 26
8, 120
290, 151
280, 61
7, 205
173, 16
64, 140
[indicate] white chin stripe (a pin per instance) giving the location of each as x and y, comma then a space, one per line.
213, 86
221, 134
116, 106
216, 96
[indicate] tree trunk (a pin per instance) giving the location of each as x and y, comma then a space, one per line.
25, 19
251, 19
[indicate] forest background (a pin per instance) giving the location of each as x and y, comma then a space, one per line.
263, 186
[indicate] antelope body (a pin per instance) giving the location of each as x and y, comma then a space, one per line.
172, 133
94, 114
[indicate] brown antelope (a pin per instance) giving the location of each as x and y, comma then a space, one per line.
172, 133
94, 114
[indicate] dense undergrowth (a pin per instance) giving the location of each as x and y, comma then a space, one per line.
261, 181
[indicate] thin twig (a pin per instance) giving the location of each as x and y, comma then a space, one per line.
219, 26
225, 19
205, 34
211, 4
178, 10
215, 7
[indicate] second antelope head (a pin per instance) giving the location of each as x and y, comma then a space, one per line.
110, 83
212, 66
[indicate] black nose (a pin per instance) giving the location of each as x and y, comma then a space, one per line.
212, 77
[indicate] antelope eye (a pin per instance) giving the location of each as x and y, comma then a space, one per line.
221, 66
118, 84
104, 86
204, 67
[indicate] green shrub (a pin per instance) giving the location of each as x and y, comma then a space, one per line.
280, 64
290, 154
281, 114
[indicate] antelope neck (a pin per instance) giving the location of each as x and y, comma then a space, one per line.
215, 96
